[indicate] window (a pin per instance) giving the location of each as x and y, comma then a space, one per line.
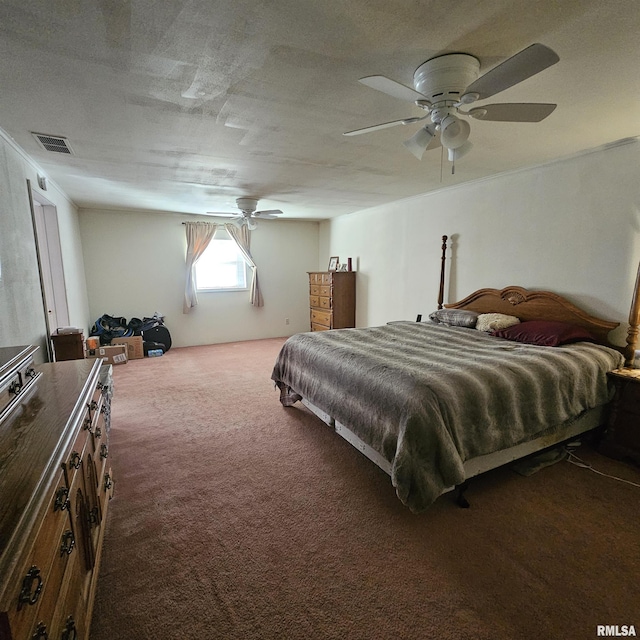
221, 266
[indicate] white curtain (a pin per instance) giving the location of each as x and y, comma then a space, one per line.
199, 235
242, 237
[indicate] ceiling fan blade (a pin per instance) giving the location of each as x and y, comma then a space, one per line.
223, 214
384, 125
375, 127
420, 140
523, 65
392, 88
268, 213
512, 112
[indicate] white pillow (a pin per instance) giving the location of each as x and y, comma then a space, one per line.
495, 321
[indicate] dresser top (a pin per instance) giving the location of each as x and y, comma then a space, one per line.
35, 438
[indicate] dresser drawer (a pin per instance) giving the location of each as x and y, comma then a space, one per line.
314, 301
65, 554
39, 579
321, 317
320, 290
324, 302
69, 615
73, 460
9, 390
318, 327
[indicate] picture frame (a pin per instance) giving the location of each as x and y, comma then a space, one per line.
333, 263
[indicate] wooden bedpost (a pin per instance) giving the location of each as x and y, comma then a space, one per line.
441, 292
634, 321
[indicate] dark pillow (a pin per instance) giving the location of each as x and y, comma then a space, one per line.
455, 317
545, 333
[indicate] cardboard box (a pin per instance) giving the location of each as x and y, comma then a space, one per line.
134, 344
115, 354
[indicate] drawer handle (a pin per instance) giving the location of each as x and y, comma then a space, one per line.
104, 450
87, 424
92, 516
15, 387
108, 482
75, 460
31, 372
98, 432
29, 595
62, 499
68, 543
70, 632
41, 632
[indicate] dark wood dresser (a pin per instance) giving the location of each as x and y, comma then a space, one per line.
621, 439
332, 300
55, 485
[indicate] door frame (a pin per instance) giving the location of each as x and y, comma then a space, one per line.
44, 216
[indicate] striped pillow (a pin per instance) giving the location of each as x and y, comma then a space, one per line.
455, 317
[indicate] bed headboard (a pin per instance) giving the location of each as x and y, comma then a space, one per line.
534, 305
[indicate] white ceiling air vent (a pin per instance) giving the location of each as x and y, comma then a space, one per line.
57, 144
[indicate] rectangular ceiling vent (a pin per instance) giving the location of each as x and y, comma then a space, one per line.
57, 144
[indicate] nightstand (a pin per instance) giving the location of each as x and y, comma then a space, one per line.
68, 346
621, 439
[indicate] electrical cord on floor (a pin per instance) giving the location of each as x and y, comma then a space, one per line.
572, 458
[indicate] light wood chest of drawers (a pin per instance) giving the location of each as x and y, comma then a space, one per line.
332, 300
55, 485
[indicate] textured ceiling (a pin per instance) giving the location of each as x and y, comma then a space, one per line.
186, 105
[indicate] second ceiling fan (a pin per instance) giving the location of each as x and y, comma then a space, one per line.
247, 213
446, 83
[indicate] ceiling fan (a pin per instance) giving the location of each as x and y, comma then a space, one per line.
247, 213
446, 83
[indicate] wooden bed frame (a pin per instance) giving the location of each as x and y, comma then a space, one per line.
535, 305
526, 305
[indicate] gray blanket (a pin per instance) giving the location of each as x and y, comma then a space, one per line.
429, 397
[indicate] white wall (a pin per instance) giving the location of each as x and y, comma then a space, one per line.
572, 227
22, 316
135, 266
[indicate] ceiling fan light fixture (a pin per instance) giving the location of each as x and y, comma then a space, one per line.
454, 132
419, 142
455, 154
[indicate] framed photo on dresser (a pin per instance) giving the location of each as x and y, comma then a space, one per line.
333, 263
